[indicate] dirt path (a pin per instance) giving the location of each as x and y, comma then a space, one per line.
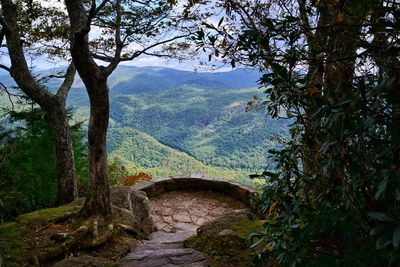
177, 215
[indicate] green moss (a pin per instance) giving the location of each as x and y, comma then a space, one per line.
233, 250
244, 228
13, 234
11, 243
110, 264
47, 214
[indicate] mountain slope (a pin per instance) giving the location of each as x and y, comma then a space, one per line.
132, 146
210, 125
201, 114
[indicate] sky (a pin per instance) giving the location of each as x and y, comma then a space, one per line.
43, 63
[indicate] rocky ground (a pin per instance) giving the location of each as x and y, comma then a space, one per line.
187, 210
178, 227
177, 215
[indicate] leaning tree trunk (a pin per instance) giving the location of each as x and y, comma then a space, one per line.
67, 185
52, 105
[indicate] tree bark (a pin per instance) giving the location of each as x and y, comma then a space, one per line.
52, 105
67, 185
98, 198
95, 79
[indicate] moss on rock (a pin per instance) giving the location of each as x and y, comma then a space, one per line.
14, 236
225, 239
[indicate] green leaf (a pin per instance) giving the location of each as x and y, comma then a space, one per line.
379, 229
382, 188
220, 21
257, 243
379, 216
396, 238
383, 241
233, 63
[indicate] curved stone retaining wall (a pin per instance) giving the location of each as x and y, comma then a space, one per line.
158, 186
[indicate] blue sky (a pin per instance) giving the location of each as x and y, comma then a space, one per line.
43, 63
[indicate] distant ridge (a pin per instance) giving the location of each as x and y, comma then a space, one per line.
130, 79
162, 112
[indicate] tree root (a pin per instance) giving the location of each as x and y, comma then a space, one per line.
69, 241
129, 229
98, 240
93, 233
64, 217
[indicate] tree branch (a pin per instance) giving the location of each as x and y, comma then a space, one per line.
19, 68
118, 43
139, 53
304, 20
10, 95
5, 68
63, 90
94, 10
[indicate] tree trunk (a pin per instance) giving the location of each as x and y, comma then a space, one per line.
98, 197
67, 185
95, 80
52, 105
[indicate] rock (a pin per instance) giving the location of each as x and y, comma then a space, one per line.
182, 217
214, 227
176, 237
234, 189
226, 232
144, 186
132, 208
225, 239
164, 255
196, 176
120, 197
83, 261
124, 216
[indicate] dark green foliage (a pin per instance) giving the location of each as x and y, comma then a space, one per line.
333, 66
28, 165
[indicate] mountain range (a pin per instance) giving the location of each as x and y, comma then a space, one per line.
166, 121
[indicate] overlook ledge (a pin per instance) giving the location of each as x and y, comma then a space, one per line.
236, 190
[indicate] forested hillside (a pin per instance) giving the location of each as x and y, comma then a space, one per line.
137, 151
203, 115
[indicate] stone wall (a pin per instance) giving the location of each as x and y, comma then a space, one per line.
233, 189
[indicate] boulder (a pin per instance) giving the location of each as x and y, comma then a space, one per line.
225, 239
132, 208
216, 226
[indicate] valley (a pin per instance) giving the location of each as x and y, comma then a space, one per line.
167, 122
